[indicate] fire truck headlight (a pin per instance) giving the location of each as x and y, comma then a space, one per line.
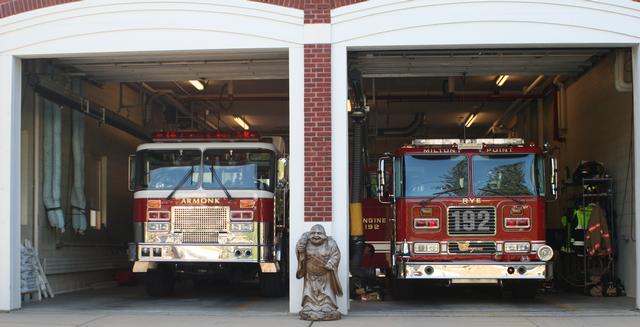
428, 248
545, 253
513, 247
158, 227
241, 227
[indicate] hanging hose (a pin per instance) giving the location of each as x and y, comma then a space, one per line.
52, 161
78, 198
47, 160
358, 115
51, 171
56, 174
355, 206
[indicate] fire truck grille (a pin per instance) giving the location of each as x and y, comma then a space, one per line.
200, 219
200, 237
472, 247
471, 221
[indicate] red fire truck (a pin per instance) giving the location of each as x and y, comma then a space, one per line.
468, 211
209, 203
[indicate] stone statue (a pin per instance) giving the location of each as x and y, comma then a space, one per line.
318, 258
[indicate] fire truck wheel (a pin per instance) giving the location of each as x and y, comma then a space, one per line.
159, 282
271, 284
402, 289
524, 291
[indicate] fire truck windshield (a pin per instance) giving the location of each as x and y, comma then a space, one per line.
507, 175
431, 175
239, 169
165, 169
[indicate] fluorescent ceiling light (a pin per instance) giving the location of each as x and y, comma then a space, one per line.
470, 120
241, 122
502, 79
197, 84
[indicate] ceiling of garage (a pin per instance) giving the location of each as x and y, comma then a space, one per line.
440, 63
447, 85
220, 65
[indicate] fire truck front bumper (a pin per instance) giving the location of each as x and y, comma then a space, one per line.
476, 272
162, 252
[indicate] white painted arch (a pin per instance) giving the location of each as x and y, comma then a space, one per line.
478, 23
468, 24
120, 26
136, 27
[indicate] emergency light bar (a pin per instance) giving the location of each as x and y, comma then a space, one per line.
467, 143
203, 136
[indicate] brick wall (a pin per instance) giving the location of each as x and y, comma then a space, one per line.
298, 4
317, 132
13, 7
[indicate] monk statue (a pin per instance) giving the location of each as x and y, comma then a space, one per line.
318, 258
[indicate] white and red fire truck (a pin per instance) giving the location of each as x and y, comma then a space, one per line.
467, 211
209, 203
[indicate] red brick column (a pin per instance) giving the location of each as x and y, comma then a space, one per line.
317, 132
317, 115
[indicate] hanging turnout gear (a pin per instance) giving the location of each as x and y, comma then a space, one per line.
597, 237
579, 222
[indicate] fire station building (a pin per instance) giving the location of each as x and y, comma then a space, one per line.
429, 69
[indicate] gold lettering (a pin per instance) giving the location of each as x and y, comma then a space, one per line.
200, 201
374, 220
438, 150
499, 150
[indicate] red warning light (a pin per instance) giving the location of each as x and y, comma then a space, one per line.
190, 136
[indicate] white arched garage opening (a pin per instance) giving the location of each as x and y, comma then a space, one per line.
439, 24
101, 28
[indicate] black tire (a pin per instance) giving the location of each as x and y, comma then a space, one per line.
272, 284
402, 289
159, 282
524, 290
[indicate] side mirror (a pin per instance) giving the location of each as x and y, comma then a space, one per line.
131, 172
383, 194
554, 178
283, 171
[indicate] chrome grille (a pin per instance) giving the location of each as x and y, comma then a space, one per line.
200, 237
202, 218
472, 247
471, 220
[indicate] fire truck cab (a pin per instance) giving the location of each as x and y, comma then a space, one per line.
468, 211
209, 203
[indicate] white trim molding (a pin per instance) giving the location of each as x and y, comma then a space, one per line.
340, 166
296, 170
10, 99
636, 160
106, 27
479, 23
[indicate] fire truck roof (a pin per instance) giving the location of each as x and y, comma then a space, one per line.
208, 145
493, 145
469, 142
